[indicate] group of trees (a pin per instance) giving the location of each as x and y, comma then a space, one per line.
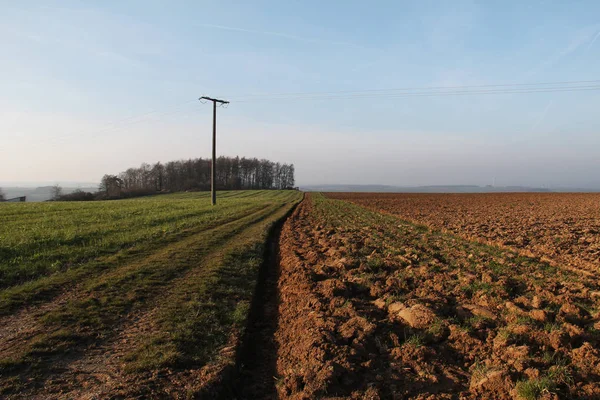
233, 173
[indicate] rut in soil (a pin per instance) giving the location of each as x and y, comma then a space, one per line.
256, 363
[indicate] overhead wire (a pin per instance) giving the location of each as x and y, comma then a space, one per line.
508, 85
432, 91
426, 91
428, 94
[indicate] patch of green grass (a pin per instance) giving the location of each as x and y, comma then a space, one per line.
496, 267
560, 374
478, 320
557, 375
375, 264
548, 357
436, 268
476, 286
437, 328
553, 307
526, 320
551, 327
505, 334
479, 370
533, 389
415, 340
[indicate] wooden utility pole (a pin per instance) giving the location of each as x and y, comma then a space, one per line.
213, 165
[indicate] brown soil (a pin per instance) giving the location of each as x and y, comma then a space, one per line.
561, 227
371, 307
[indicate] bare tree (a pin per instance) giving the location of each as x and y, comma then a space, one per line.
194, 174
56, 191
111, 185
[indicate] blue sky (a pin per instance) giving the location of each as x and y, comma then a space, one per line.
88, 88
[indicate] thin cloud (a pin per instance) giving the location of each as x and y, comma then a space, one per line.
580, 38
593, 40
279, 34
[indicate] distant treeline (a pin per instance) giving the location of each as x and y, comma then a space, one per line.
233, 173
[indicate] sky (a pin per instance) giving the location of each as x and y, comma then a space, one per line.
89, 88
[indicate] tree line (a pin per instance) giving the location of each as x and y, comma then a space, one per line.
233, 173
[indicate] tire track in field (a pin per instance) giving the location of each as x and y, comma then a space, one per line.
24, 318
57, 284
102, 367
96, 369
28, 320
24, 324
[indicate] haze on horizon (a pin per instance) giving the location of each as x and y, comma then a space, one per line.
89, 89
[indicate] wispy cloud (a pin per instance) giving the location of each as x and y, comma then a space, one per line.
280, 35
581, 37
593, 41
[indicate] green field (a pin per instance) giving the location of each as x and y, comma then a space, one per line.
171, 275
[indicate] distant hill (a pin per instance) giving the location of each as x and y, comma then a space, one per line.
41, 193
421, 189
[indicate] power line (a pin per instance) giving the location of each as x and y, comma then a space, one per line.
433, 94
428, 89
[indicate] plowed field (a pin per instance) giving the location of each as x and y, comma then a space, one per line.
169, 297
563, 228
371, 306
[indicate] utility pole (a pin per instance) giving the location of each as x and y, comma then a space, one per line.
213, 165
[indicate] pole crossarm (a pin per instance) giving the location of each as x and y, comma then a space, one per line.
215, 100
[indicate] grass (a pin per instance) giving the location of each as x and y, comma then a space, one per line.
505, 334
38, 239
200, 312
477, 286
479, 370
526, 320
437, 328
533, 389
196, 273
415, 340
375, 264
45, 246
556, 375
